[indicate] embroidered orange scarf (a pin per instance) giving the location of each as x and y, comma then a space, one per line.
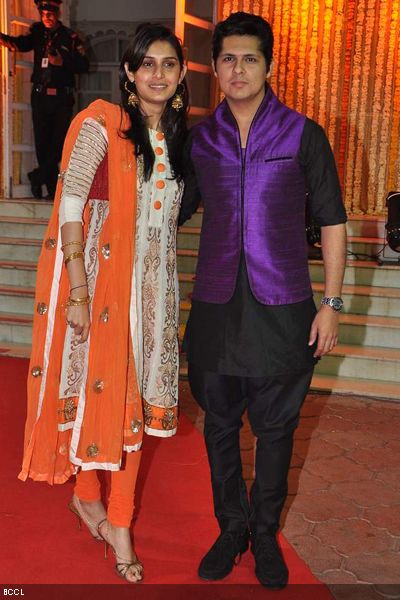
100, 440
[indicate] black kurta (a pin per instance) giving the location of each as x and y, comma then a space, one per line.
245, 337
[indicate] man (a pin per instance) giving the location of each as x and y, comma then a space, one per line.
253, 335
58, 56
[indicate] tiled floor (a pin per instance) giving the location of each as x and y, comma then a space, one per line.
343, 510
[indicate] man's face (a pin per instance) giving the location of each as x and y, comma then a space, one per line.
49, 18
241, 68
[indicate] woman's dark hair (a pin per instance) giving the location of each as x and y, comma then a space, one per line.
173, 122
241, 23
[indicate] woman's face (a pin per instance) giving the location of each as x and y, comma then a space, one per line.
159, 75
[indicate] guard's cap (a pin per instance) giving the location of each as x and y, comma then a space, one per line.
52, 5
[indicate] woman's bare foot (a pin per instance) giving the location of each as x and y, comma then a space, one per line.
127, 566
91, 513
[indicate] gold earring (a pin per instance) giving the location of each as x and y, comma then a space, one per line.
133, 100
177, 100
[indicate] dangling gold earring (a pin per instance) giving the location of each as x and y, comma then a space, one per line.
133, 100
177, 101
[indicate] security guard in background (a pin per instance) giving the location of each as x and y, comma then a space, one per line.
58, 56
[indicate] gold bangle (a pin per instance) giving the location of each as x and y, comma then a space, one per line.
71, 244
73, 256
78, 301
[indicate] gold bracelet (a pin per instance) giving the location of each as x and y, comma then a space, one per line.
78, 301
71, 244
73, 256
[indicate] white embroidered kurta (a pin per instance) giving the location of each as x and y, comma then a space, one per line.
154, 305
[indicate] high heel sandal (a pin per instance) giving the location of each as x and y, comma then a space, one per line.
121, 567
76, 508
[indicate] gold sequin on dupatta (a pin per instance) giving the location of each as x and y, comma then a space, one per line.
42, 308
106, 252
136, 425
104, 316
98, 386
92, 450
50, 243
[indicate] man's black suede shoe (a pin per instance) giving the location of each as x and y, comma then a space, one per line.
222, 556
271, 569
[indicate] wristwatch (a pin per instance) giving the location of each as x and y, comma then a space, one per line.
334, 302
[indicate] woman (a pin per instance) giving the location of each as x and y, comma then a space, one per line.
104, 362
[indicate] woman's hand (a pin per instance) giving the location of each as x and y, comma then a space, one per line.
79, 319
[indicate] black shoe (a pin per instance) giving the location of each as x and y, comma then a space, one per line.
221, 558
36, 187
271, 569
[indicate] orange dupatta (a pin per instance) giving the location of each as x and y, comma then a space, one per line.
97, 438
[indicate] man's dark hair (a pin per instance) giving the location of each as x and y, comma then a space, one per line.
242, 23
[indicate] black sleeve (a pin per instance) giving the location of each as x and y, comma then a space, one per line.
20, 43
324, 193
191, 194
74, 57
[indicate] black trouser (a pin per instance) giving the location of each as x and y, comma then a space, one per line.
273, 405
51, 116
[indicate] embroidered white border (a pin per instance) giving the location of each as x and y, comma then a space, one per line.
159, 432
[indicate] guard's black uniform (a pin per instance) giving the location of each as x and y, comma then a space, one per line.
52, 94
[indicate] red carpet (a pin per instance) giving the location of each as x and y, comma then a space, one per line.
174, 526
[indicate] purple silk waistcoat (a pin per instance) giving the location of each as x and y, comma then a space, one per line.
265, 187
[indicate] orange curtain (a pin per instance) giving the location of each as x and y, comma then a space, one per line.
338, 61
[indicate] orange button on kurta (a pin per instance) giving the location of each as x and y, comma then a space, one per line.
158, 150
161, 168
159, 135
160, 184
157, 205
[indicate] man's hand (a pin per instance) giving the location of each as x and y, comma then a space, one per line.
325, 328
56, 60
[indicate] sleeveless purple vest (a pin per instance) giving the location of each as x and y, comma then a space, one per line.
272, 183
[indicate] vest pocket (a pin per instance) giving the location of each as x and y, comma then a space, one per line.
278, 158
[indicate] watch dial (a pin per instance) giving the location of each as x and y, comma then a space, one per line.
337, 303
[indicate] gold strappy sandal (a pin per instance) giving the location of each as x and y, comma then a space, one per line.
76, 508
122, 567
